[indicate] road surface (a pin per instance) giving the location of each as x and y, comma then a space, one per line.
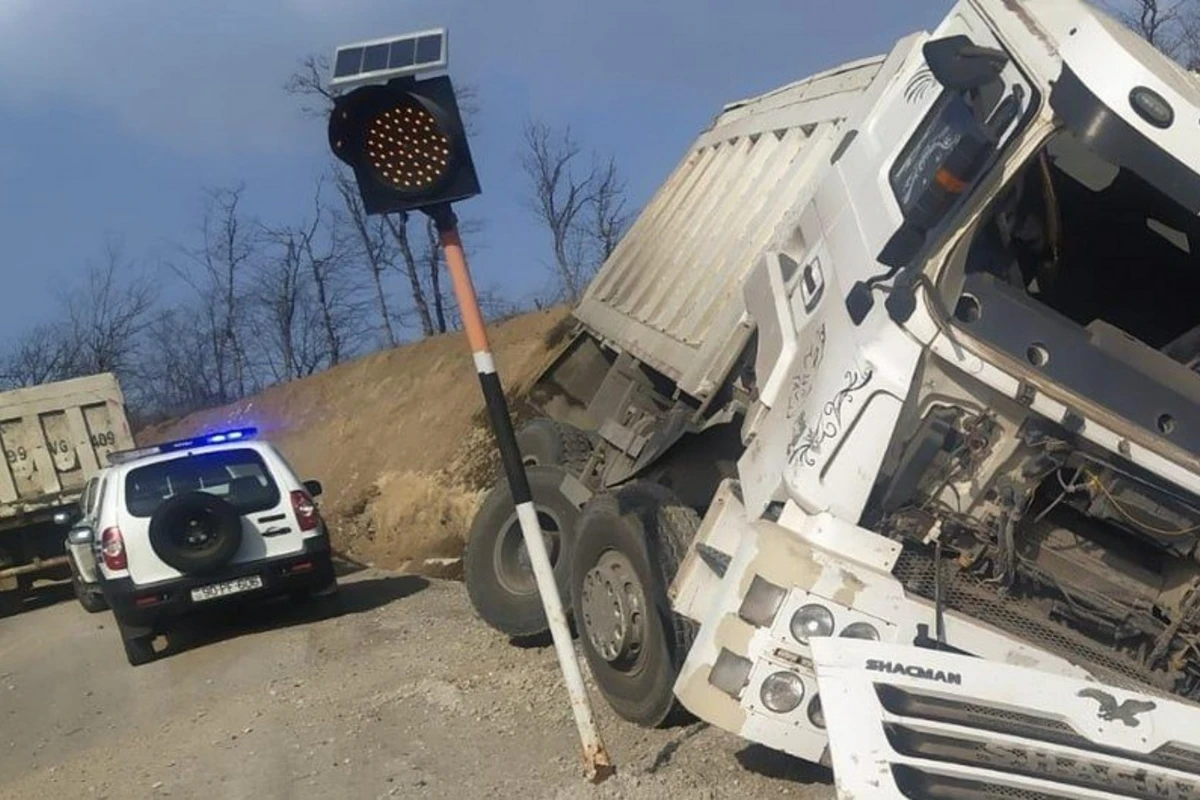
407, 695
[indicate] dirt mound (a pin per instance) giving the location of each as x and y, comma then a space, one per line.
398, 439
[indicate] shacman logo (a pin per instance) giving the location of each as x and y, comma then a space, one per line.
914, 671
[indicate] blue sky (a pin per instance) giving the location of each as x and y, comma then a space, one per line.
116, 113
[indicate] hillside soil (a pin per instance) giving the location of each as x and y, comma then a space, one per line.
398, 439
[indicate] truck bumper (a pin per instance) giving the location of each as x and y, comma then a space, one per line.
149, 605
743, 581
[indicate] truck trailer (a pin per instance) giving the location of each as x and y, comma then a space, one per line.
877, 441
55, 437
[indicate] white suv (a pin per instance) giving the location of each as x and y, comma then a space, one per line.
199, 523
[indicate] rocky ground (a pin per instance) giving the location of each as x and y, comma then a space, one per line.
406, 695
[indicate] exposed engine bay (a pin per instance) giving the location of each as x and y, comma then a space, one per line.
983, 490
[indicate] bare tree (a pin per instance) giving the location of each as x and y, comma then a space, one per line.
398, 225
336, 290
39, 355
217, 272
178, 374
107, 315
583, 208
609, 218
1173, 26
373, 247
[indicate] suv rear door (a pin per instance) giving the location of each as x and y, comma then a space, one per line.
249, 478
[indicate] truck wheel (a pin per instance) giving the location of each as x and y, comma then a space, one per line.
544, 442
138, 643
496, 565
629, 545
195, 532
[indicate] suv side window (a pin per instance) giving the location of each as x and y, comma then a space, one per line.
100, 497
89, 495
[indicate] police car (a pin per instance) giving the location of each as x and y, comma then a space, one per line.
192, 525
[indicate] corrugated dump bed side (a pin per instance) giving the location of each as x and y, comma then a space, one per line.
670, 293
54, 437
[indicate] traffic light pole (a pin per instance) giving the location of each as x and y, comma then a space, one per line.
597, 764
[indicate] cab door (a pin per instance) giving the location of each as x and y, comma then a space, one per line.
907, 159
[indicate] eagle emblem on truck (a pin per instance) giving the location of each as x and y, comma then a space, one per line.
1109, 711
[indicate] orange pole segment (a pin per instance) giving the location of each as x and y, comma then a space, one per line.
472, 318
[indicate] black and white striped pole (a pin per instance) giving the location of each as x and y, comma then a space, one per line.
597, 763
404, 139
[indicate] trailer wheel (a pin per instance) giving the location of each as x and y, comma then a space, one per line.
496, 565
628, 549
544, 442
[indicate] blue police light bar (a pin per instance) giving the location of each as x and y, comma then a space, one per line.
220, 437
382, 60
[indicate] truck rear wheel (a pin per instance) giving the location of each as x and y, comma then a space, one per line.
496, 565
629, 545
544, 442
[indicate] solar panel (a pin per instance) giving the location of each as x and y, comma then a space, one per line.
384, 59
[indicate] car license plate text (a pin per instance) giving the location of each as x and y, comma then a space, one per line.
236, 586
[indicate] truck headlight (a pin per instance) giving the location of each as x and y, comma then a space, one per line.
816, 714
860, 630
782, 692
811, 621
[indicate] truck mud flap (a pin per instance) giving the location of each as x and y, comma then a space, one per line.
906, 722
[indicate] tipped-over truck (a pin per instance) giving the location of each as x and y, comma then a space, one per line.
878, 438
55, 438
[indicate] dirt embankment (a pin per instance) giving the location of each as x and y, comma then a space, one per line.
398, 438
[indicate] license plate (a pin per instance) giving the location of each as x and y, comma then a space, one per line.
226, 588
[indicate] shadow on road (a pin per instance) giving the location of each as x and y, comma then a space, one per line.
357, 596
774, 764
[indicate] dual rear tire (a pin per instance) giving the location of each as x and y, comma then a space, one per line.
613, 561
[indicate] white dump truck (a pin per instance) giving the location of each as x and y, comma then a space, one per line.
54, 437
878, 439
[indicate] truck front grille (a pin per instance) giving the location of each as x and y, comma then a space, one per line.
1027, 619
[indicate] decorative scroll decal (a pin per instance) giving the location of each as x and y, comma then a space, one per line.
803, 383
808, 439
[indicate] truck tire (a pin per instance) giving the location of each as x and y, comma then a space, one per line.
629, 544
138, 643
195, 533
544, 442
496, 567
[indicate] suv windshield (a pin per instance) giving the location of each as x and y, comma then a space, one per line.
240, 477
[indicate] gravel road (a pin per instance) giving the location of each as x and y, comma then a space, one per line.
407, 695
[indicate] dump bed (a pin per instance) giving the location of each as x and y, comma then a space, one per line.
54, 437
671, 293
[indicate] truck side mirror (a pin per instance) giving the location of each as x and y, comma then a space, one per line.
960, 65
81, 535
313, 488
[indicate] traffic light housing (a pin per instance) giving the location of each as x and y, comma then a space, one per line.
406, 144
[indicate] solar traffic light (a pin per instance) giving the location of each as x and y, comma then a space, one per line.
406, 144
